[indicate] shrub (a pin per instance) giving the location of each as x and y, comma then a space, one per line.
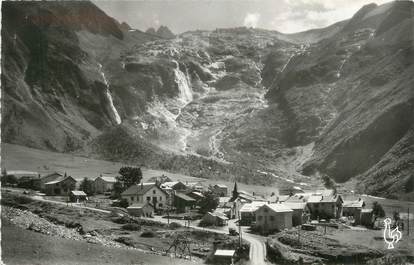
175, 225
131, 227
23, 200
148, 234
121, 220
125, 240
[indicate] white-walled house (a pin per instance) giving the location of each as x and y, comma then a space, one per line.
273, 217
103, 184
146, 193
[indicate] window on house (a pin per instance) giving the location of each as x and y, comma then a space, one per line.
272, 218
137, 199
153, 192
132, 198
148, 198
160, 198
266, 210
160, 205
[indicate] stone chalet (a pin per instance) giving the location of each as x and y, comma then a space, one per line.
173, 186
60, 186
146, 193
48, 178
220, 190
353, 208
325, 207
182, 202
103, 184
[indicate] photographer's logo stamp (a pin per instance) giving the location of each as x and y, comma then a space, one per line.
391, 236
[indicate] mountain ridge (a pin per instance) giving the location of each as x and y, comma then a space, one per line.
241, 103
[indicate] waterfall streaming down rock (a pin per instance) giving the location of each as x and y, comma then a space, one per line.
115, 114
186, 94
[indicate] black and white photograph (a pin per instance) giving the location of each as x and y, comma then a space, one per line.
207, 132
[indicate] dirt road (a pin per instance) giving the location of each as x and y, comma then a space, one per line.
257, 249
257, 253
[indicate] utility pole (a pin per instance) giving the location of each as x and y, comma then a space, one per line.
240, 233
408, 223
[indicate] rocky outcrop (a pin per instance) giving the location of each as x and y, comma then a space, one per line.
162, 32
351, 95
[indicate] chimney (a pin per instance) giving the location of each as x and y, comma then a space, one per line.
142, 185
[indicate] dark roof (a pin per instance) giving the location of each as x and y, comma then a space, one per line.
60, 179
107, 179
196, 194
52, 174
140, 189
184, 197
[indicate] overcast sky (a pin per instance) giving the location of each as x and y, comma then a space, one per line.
182, 15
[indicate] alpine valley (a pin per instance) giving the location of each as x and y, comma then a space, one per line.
245, 104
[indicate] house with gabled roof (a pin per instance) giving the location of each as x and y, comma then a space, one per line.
248, 212
216, 218
146, 193
220, 190
195, 186
48, 178
325, 207
141, 210
353, 208
61, 186
77, 196
182, 202
173, 186
300, 213
273, 217
103, 184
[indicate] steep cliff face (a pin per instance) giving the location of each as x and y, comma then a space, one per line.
250, 104
56, 60
352, 95
45, 89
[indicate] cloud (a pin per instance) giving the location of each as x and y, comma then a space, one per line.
251, 20
307, 14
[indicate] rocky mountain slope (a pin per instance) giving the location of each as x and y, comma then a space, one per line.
247, 104
352, 95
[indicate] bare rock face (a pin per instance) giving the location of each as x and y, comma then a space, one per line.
359, 119
165, 32
162, 32
247, 103
151, 31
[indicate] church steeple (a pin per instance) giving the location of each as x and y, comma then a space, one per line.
235, 191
